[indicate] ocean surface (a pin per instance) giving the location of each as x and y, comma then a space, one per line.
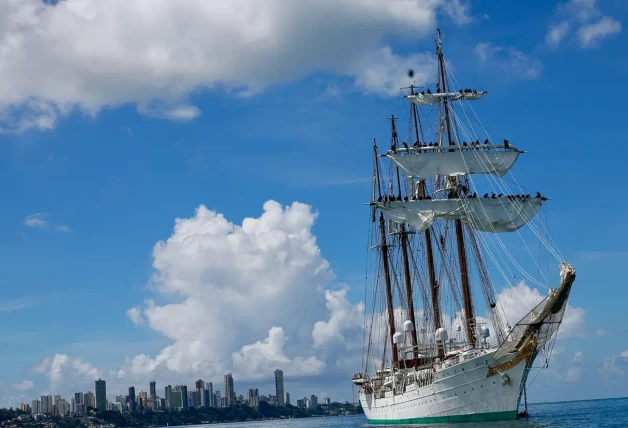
572, 414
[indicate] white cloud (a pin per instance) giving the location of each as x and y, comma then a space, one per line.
36, 220
521, 299
486, 50
577, 356
345, 317
614, 367
592, 25
601, 332
573, 374
25, 385
135, 315
18, 303
160, 51
580, 10
589, 35
512, 61
182, 113
522, 65
65, 373
232, 284
256, 361
556, 33
63, 228
624, 354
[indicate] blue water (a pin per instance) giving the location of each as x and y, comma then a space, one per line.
572, 414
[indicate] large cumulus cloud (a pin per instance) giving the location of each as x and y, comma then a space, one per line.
154, 53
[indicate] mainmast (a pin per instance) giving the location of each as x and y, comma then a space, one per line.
434, 292
389, 295
404, 252
462, 257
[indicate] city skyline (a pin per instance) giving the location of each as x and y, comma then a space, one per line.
176, 398
193, 194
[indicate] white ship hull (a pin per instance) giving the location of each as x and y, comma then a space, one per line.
461, 393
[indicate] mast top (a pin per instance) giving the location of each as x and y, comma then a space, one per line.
439, 42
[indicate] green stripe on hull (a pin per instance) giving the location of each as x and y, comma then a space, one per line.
510, 415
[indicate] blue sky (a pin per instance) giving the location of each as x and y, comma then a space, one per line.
108, 174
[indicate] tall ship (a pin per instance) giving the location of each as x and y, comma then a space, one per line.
449, 222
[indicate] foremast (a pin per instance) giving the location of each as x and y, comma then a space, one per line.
386, 266
404, 249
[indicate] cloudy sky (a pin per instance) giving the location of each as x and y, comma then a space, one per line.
183, 182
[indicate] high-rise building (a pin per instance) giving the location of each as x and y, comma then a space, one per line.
90, 399
35, 407
168, 394
79, 398
200, 392
153, 390
313, 401
184, 396
253, 397
279, 392
229, 391
209, 387
287, 398
46, 404
327, 401
176, 399
132, 405
101, 395
193, 400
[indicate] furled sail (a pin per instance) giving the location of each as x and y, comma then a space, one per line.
423, 163
484, 214
431, 99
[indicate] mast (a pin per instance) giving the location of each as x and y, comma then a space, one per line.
404, 252
389, 295
428, 236
462, 256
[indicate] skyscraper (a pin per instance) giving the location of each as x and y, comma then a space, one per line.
193, 399
168, 394
132, 404
184, 396
200, 393
90, 400
279, 387
287, 398
209, 387
153, 390
101, 395
313, 401
229, 392
177, 399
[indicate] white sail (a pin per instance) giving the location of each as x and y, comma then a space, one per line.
426, 162
484, 214
432, 99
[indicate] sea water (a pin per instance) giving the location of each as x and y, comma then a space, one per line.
572, 414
